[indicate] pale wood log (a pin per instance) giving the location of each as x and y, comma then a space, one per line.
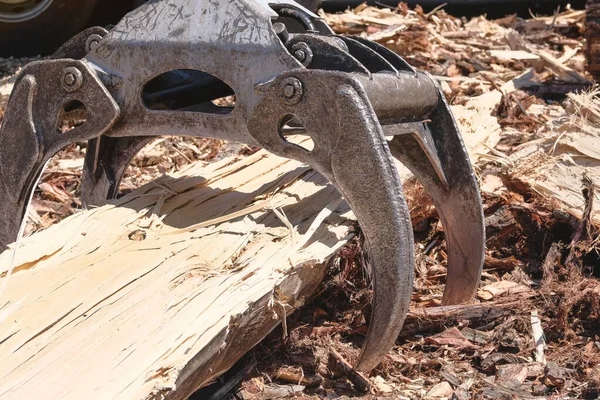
90, 313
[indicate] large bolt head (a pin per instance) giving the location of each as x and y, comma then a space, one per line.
92, 42
292, 91
72, 79
302, 53
289, 91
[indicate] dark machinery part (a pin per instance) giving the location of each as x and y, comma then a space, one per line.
162, 71
592, 37
33, 27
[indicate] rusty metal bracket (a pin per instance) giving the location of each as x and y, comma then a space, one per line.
164, 69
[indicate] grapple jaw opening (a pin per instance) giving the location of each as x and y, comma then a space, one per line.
360, 104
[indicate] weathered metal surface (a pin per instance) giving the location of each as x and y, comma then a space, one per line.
436, 155
30, 135
79, 45
158, 72
351, 151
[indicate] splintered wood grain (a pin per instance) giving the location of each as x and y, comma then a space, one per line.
93, 311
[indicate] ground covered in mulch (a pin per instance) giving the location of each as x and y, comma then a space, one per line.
532, 332
539, 273
533, 329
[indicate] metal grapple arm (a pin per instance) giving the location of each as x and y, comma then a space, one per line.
160, 72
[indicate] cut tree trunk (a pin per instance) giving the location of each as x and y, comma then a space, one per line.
152, 297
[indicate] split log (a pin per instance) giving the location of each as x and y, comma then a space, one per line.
155, 295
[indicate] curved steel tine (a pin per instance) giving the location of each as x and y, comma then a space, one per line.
364, 172
398, 62
106, 160
351, 151
437, 157
16, 133
29, 136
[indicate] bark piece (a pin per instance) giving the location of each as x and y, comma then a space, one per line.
511, 375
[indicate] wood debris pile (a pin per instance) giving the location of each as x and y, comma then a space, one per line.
476, 55
532, 332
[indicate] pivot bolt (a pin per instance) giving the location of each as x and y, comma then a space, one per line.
72, 79
292, 91
302, 53
289, 91
92, 42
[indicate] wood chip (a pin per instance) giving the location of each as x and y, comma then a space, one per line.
554, 375
511, 375
500, 288
361, 383
442, 390
450, 337
538, 337
563, 72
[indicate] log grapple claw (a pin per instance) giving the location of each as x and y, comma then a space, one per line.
165, 70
